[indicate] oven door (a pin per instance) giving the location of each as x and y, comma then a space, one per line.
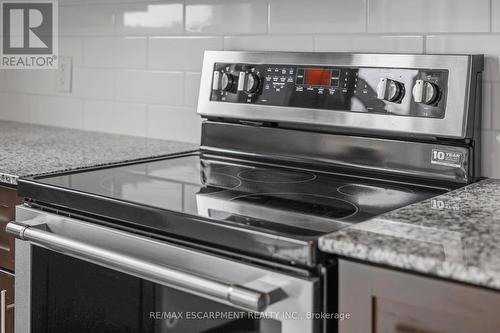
75, 276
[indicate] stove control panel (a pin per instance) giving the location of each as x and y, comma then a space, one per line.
395, 91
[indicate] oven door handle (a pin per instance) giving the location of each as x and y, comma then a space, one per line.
230, 293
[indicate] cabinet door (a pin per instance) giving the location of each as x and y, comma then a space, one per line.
8, 202
382, 300
7, 289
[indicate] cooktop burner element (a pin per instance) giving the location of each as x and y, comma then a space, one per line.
276, 176
307, 204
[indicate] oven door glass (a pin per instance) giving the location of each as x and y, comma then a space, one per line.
71, 295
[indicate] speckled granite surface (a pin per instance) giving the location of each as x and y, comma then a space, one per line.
27, 150
454, 236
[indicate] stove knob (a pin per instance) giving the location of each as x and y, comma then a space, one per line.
390, 90
227, 81
425, 92
252, 83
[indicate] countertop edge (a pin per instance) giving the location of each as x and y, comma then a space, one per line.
9, 179
475, 276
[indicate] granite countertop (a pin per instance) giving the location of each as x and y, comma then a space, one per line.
28, 150
454, 236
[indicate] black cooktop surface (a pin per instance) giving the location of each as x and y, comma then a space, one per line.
273, 199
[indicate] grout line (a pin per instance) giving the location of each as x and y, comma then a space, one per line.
114, 85
148, 129
148, 51
184, 30
268, 26
367, 14
491, 15
424, 44
228, 33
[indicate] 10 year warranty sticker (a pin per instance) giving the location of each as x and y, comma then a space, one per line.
447, 158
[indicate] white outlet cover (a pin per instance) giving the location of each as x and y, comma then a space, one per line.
64, 78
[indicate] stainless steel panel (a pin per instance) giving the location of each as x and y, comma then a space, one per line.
300, 292
455, 124
234, 294
404, 158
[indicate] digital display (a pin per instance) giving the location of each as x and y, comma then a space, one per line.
318, 76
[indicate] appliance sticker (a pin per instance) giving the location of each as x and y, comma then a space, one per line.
447, 158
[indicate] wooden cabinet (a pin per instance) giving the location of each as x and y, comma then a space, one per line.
7, 291
382, 300
8, 202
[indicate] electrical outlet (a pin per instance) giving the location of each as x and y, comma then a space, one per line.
65, 75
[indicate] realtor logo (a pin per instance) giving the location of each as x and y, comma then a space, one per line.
29, 34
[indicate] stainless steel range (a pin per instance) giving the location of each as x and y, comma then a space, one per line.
294, 146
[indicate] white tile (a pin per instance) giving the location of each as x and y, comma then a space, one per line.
191, 88
116, 52
495, 106
490, 153
226, 16
429, 16
347, 43
319, 16
57, 111
73, 2
15, 107
174, 123
165, 18
489, 45
130, 119
86, 20
2, 79
181, 53
115, 117
30, 81
98, 116
487, 101
495, 16
93, 83
268, 43
71, 47
152, 87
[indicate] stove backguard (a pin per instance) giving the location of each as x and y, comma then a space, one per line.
411, 115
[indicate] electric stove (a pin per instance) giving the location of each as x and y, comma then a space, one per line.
294, 146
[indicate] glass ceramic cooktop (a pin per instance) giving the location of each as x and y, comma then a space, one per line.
287, 200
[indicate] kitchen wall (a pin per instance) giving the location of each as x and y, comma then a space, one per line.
137, 63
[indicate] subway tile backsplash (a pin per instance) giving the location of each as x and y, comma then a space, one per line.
181, 53
318, 16
136, 63
155, 87
397, 16
369, 43
222, 17
495, 15
119, 52
151, 19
